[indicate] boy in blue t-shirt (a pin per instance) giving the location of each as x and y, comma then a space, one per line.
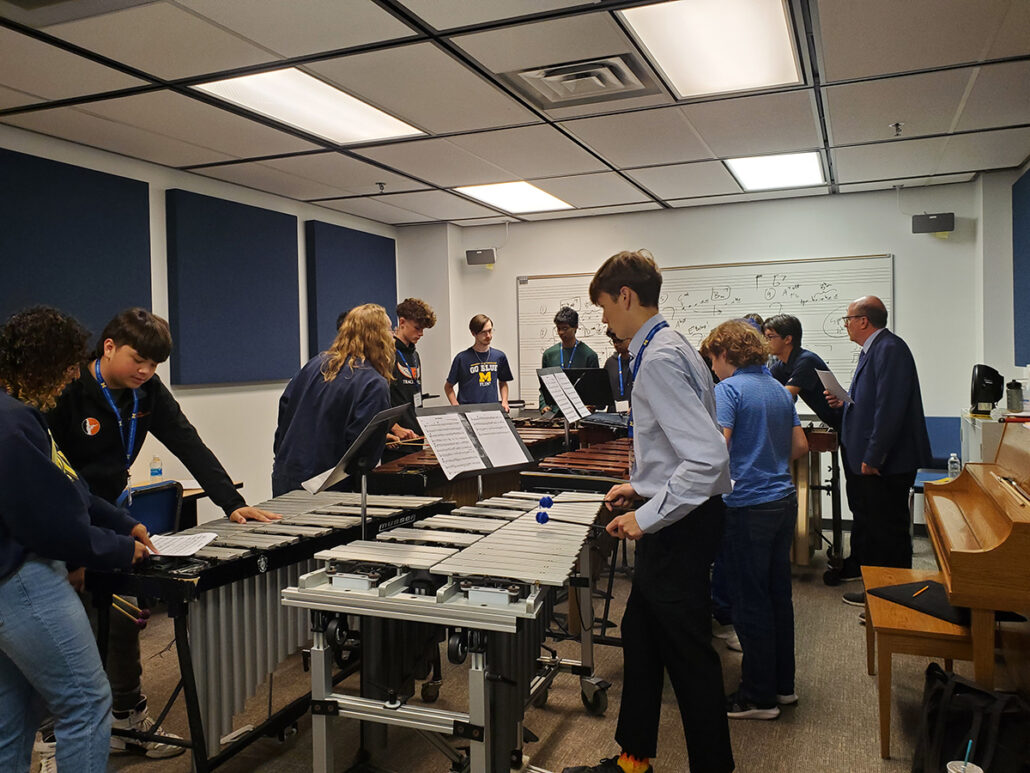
764, 435
480, 372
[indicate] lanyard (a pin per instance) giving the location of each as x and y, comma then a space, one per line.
622, 389
412, 371
561, 354
127, 443
639, 359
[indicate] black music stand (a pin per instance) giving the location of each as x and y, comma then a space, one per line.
592, 385
358, 460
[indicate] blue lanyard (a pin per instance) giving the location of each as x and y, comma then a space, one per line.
561, 354
639, 359
622, 390
127, 444
414, 373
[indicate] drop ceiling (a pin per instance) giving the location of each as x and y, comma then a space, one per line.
908, 93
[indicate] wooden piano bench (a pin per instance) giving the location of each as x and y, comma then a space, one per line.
891, 628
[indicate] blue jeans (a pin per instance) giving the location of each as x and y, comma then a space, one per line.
49, 659
757, 551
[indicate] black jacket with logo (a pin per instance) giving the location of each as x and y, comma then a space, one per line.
407, 383
86, 431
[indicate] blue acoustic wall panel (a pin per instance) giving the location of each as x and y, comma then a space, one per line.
345, 268
1021, 267
232, 291
72, 238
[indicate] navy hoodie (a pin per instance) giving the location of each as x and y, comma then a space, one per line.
46, 509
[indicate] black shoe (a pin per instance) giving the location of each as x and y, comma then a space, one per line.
610, 765
741, 708
855, 598
850, 571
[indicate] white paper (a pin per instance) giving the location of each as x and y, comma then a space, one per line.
182, 545
832, 385
188, 484
558, 395
573, 395
496, 436
316, 483
622, 406
451, 443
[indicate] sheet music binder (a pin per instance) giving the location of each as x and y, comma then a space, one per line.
487, 464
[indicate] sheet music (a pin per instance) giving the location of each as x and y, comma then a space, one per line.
573, 395
318, 482
833, 386
451, 443
558, 395
496, 437
185, 545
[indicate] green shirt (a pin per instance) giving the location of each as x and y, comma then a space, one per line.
578, 356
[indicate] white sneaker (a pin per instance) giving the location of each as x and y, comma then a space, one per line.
733, 643
47, 752
787, 700
139, 720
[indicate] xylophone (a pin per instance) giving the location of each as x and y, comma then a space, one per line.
487, 572
230, 629
613, 458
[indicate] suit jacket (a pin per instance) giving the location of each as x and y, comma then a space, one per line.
885, 426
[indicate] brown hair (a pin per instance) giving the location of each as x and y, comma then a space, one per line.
145, 332
739, 341
38, 347
416, 310
477, 323
635, 270
364, 336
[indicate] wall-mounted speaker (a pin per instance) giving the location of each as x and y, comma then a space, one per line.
485, 257
932, 224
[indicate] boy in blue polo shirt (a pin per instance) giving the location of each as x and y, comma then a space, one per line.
764, 435
481, 373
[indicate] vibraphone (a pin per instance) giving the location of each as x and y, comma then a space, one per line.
489, 574
230, 629
420, 472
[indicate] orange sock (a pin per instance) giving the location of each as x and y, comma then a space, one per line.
631, 764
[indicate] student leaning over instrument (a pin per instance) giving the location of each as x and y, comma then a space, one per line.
48, 658
764, 435
333, 398
100, 423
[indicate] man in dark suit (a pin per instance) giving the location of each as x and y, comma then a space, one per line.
884, 441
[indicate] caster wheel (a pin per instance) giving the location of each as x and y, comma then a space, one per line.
457, 648
287, 733
516, 759
831, 577
541, 699
596, 705
430, 691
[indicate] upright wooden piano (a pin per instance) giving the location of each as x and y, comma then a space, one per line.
979, 524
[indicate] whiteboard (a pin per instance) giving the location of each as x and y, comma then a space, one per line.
695, 299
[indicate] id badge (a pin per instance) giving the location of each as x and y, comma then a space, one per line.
417, 399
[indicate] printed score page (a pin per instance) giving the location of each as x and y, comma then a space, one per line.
497, 438
451, 443
573, 395
184, 545
558, 395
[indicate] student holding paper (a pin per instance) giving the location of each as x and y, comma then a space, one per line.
333, 398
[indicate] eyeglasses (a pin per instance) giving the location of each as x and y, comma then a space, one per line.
852, 316
771, 336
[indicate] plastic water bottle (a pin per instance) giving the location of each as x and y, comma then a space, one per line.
954, 466
156, 471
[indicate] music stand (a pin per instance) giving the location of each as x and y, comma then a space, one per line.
593, 385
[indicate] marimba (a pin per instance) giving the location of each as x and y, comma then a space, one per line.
487, 573
230, 629
613, 459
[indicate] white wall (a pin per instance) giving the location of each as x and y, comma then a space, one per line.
237, 422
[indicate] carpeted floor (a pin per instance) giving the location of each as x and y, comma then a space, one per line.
834, 727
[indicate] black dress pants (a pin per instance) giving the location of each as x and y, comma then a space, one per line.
667, 627
880, 534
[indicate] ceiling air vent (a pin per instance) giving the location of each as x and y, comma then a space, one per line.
581, 83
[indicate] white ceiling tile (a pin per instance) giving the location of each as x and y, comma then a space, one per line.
1000, 97
265, 178
446, 14
184, 118
751, 126
680, 181
556, 41
15, 98
925, 104
375, 209
910, 182
794, 193
887, 160
439, 205
438, 161
162, 40
875, 37
565, 214
35, 67
424, 86
473, 221
1013, 38
299, 28
985, 150
592, 190
76, 126
662, 136
530, 151
345, 173
607, 106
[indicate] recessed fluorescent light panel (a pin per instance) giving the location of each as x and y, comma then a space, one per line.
789, 170
302, 101
717, 46
515, 197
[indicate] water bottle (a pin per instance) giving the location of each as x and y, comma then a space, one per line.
954, 466
156, 471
